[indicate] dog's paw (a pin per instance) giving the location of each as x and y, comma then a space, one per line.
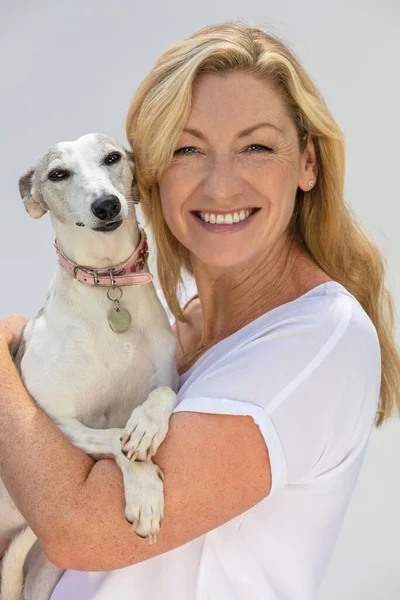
143, 434
148, 425
145, 500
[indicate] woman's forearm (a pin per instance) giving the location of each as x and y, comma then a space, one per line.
40, 467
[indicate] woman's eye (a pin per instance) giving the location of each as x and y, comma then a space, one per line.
263, 148
189, 149
181, 150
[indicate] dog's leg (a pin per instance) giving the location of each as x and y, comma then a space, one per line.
99, 443
41, 576
144, 494
14, 544
148, 424
143, 481
13, 562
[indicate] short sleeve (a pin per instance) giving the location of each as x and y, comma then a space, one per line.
310, 379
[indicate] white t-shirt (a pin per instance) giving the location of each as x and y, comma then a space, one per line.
308, 372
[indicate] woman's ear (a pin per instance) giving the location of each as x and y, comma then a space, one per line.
309, 167
33, 200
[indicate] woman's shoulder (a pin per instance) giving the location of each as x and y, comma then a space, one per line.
327, 323
325, 316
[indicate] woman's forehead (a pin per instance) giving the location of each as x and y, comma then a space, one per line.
237, 101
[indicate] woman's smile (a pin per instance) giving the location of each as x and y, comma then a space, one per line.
225, 222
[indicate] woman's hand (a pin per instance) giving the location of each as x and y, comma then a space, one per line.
11, 331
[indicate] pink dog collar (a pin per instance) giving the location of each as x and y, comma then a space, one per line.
126, 273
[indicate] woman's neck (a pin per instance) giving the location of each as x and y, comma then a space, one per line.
229, 303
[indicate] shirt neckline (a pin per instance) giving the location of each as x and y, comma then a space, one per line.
252, 323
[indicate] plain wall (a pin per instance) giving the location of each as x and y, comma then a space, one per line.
69, 68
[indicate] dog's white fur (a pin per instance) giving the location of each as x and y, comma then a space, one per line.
95, 384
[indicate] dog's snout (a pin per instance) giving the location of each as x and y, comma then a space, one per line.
106, 207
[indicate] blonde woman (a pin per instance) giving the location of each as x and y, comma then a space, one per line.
286, 355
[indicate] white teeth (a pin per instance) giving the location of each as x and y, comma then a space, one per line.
227, 219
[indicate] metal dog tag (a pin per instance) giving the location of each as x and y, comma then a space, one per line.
119, 319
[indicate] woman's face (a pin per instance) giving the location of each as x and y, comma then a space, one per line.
221, 169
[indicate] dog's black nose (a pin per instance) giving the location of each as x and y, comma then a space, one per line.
106, 207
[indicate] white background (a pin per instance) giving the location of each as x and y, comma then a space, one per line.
69, 68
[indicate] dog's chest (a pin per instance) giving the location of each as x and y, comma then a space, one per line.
76, 366
119, 376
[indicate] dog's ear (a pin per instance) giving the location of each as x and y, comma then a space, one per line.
33, 201
135, 189
131, 161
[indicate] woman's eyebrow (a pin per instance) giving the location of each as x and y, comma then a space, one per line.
241, 134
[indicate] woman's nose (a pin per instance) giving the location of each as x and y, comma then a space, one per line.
221, 180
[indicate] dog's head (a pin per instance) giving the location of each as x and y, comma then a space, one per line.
87, 183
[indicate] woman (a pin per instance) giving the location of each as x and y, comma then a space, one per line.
283, 342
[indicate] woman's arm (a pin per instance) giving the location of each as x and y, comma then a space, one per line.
38, 464
215, 466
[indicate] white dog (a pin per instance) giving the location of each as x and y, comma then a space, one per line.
99, 357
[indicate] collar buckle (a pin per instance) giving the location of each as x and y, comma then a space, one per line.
89, 272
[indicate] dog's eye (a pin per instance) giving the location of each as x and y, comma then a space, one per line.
57, 174
112, 158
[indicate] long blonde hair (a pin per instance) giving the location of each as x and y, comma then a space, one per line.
322, 221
